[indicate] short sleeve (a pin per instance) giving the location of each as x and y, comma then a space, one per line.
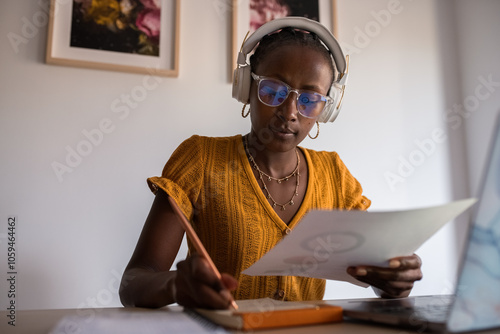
182, 175
350, 188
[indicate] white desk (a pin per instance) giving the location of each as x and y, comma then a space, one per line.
41, 321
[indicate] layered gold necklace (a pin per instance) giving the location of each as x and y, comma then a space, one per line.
295, 173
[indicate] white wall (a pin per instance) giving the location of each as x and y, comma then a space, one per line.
479, 60
76, 236
393, 108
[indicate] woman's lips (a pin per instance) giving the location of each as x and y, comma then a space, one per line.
283, 132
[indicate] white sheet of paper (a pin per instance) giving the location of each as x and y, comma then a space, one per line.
326, 242
132, 321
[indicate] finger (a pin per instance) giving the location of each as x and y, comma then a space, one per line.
207, 297
201, 270
410, 262
358, 271
185, 299
408, 275
400, 287
371, 274
229, 282
405, 266
390, 289
199, 286
221, 285
394, 289
203, 297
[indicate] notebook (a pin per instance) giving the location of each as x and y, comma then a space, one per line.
266, 313
475, 305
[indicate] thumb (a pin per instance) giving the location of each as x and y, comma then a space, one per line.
229, 282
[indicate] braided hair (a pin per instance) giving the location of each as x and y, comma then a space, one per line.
290, 36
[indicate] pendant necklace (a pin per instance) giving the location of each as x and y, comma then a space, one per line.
295, 173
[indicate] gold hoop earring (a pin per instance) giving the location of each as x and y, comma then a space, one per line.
317, 133
243, 111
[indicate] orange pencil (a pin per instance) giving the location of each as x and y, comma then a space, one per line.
196, 241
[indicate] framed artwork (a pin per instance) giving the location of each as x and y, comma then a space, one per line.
248, 15
139, 36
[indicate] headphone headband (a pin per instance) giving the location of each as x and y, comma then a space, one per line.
300, 23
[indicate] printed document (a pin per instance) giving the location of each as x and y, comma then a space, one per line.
326, 242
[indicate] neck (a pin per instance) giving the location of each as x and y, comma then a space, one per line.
276, 164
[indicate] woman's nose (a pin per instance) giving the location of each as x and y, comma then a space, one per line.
288, 109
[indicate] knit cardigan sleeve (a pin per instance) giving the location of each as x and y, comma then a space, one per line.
185, 166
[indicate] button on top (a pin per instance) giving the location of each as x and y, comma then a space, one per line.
287, 231
279, 295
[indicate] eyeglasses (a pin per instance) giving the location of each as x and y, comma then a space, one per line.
273, 92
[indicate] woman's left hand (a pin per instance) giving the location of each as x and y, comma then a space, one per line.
394, 281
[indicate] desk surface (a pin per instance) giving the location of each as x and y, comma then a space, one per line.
42, 321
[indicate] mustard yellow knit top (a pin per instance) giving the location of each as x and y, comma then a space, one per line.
212, 181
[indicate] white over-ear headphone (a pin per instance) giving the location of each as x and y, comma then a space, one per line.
242, 78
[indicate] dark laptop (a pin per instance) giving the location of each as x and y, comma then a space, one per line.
476, 302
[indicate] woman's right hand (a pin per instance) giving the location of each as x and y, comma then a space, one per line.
196, 285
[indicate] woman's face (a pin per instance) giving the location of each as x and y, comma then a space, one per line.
282, 128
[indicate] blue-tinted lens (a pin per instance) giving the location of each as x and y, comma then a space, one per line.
273, 93
311, 104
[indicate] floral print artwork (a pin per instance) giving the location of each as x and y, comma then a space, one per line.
129, 26
262, 11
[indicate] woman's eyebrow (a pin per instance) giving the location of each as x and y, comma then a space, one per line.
313, 87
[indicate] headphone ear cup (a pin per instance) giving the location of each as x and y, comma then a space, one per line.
331, 111
329, 114
242, 79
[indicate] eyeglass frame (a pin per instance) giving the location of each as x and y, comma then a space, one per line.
259, 78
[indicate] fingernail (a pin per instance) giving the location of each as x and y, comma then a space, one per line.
226, 294
361, 272
394, 264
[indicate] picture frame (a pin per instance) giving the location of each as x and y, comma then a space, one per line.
241, 22
144, 51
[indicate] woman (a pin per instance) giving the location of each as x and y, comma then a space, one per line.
244, 193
